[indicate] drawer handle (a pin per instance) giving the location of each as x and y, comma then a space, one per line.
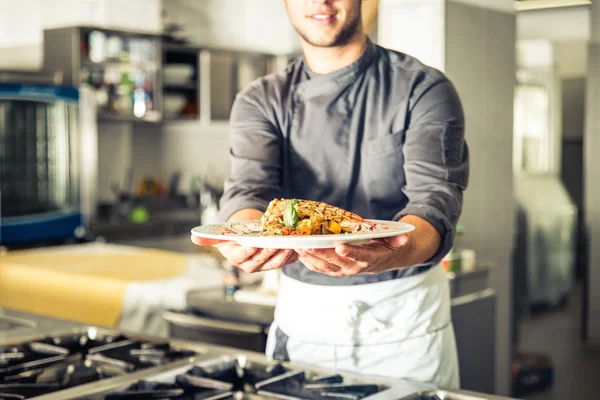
213, 324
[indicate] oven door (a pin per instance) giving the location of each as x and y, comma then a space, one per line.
194, 326
39, 163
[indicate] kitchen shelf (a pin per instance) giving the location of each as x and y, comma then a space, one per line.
121, 67
218, 75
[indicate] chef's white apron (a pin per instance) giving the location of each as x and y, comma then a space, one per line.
399, 328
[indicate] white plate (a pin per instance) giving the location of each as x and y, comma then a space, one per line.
246, 234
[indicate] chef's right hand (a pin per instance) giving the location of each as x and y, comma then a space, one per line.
249, 259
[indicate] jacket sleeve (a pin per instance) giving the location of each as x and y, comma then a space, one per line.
255, 155
436, 161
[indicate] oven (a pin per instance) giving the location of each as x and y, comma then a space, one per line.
47, 159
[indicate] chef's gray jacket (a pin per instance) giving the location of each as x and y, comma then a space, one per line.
382, 137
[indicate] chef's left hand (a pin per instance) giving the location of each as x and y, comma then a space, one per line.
373, 257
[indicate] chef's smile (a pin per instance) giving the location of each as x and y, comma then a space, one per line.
325, 18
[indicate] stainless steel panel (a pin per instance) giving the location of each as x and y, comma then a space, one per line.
10, 323
462, 283
210, 324
592, 192
452, 395
214, 303
33, 77
474, 320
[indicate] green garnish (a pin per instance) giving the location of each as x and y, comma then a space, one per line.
290, 216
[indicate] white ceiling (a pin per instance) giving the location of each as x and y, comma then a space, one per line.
556, 24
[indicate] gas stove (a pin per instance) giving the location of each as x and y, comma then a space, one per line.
53, 363
238, 378
89, 363
228, 373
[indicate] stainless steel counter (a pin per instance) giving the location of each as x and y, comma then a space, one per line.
18, 325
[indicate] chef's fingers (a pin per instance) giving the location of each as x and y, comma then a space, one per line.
205, 242
318, 264
278, 260
397, 241
256, 261
332, 257
369, 253
234, 253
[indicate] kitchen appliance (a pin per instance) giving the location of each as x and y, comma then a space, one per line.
54, 362
545, 250
226, 373
95, 364
233, 377
47, 158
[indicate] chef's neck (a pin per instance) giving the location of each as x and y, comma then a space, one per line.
324, 60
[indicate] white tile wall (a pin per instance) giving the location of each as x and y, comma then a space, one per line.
114, 156
197, 150
159, 151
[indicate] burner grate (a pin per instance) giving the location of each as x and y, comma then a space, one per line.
232, 379
59, 362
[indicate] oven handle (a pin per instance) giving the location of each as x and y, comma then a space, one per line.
211, 324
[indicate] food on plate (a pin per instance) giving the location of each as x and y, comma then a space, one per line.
307, 217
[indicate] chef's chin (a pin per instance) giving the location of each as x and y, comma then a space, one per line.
341, 37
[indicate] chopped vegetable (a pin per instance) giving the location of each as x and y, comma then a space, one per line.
334, 227
304, 226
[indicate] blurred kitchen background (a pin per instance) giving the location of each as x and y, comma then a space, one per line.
113, 146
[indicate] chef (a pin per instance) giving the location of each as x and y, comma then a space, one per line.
378, 133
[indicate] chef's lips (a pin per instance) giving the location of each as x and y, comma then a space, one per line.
324, 17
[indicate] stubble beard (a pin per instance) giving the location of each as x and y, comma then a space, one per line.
342, 38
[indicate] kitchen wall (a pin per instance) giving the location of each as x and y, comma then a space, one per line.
22, 23
592, 177
480, 48
473, 42
257, 25
160, 150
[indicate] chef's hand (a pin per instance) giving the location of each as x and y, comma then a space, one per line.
373, 257
249, 259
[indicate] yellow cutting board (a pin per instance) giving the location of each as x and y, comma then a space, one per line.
84, 283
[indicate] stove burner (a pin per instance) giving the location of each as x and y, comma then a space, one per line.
224, 380
59, 362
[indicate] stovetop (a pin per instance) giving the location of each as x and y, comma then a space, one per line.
56, 362
89, 363
237, 378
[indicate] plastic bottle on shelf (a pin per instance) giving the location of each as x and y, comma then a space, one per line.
452, 262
